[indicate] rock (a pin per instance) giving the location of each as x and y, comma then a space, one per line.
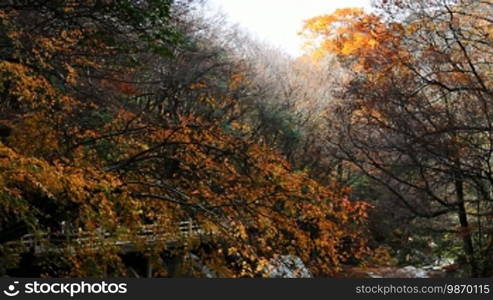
373, 275
287, 266
202, 268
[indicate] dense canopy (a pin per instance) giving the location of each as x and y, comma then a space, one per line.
149, 131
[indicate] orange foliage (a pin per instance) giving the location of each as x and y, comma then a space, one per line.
352, 33
102, 166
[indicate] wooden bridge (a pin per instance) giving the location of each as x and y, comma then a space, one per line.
186, 233
148, 235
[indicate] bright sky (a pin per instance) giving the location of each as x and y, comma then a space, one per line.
279, 21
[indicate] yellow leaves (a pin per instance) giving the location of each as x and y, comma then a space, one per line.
34, 179
62, 43
51, 180
71, 74
58, 50
236, 81
325, 31
262, 264
31, 175
241, 232
68, 9
351, 33
197, 86
48, 45
232, 250
277, 209
287, 210
162, 134
326, 23
35, 136
28, 88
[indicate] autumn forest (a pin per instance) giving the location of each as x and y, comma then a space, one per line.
147, 138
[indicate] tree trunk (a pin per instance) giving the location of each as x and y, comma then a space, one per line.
464, 224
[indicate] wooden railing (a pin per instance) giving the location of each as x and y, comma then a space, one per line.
148, 234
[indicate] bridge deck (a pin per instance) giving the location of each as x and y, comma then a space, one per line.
148, 235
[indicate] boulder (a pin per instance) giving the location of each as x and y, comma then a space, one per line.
287, 266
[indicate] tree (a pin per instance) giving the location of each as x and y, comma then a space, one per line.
415, 115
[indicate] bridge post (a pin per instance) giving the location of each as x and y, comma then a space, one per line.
190, 227
148, 268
